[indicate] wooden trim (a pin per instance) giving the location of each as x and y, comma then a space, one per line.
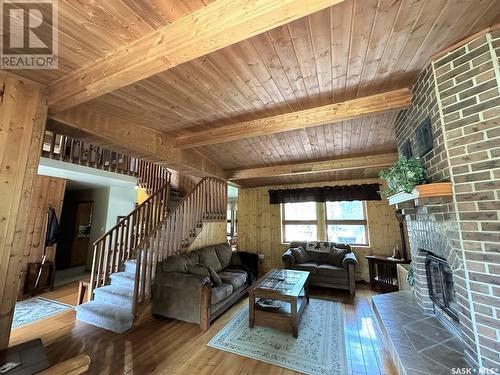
350, 109
436, 189
140, 142
215, 26
74, 366
338, 164
206, 295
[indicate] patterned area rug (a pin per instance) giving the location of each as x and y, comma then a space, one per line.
37, 308
319, 349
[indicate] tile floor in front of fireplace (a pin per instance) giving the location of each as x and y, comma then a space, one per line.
419, 343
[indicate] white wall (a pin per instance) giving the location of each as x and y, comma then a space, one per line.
121, 202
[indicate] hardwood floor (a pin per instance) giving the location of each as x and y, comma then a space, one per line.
172, 347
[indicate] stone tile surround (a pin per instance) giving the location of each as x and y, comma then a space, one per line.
417, 343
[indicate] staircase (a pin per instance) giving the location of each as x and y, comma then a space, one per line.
125, 257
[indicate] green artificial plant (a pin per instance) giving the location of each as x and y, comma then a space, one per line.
404, 175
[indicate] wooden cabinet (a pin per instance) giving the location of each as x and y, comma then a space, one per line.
383, 273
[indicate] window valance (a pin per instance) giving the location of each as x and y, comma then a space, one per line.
365, 192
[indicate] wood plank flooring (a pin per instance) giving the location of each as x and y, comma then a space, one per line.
172, 347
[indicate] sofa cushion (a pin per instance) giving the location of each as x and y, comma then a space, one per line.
234, 277
329, 270
309, 266
192, 257
336, 256
198, 269
221, 292
208, 255
175, 263
214, 277
224, 252
299, 255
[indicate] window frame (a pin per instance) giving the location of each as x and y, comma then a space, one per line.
363, 222
285, 222
322, 223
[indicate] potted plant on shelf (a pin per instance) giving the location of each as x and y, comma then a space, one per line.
404, 175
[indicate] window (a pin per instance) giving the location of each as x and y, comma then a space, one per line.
346, 222
343, 222
299, 222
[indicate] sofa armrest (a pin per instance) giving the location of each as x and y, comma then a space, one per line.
288, 259
179, 295
179, 280
349, 258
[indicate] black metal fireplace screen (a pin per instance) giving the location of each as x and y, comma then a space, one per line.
440, 284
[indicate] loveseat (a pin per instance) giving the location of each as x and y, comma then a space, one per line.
330, 264
200, 285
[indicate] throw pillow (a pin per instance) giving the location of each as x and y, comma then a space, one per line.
197, 269
300, 254
337, 255
213, 275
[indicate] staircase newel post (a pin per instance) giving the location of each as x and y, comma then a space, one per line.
92, 274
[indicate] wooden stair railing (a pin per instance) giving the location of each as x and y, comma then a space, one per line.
61, 147
117, 245
150, 176
207, 201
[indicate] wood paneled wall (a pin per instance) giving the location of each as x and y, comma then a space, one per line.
23, 114
260, 226
213, 232
47, 192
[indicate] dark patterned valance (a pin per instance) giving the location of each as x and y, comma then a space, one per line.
366, 192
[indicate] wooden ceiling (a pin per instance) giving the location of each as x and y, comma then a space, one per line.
350, 50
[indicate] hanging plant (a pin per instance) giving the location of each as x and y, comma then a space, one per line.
404, 175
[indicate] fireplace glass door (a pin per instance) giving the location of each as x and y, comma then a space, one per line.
440, 283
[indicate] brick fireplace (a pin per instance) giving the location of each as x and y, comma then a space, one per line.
459, 94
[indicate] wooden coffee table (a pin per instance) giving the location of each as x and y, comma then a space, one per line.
288, 286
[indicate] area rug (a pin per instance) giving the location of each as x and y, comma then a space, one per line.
319, 349
36, 308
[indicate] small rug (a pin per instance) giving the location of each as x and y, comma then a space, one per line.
319, 349
36, 308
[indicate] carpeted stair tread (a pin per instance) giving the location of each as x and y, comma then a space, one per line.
130, 266
124, 279
104, 315
116, 295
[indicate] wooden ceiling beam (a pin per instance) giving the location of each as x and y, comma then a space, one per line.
369, 105
215, 26
138, 141
333, 165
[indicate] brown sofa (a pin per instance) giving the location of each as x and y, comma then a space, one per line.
200, 285
330, 264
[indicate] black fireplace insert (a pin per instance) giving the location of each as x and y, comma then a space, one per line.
440, 284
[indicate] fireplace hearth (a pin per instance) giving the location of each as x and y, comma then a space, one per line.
442, 291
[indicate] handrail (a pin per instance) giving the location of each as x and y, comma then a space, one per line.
64, 148
118, 245
206, 201
150, 176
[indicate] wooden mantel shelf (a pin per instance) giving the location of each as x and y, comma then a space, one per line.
438, 189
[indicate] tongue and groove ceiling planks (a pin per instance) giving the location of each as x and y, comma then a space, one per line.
353, 49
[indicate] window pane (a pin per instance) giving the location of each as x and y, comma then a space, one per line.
228, 228
345, 210
300, 232
300, 211
353, 234
228, 216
